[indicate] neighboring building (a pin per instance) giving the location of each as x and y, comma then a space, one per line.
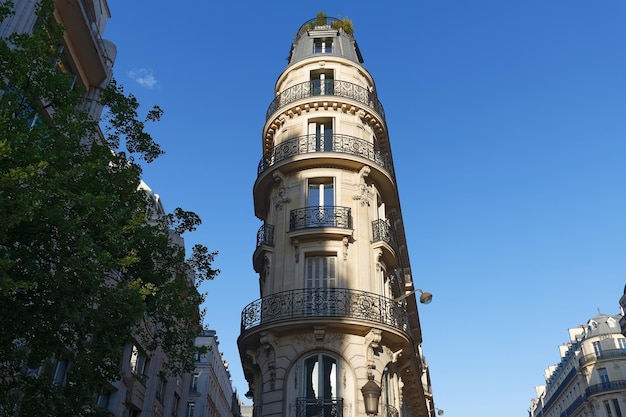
337, 320
141, 391
590, 379
210, 386
622, 304
86, 54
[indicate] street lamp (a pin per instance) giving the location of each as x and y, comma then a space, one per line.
371, 395
425, 297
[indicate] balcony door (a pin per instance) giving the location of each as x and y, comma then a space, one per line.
320, 386
320, 135
321, 278
321, 203
322, 83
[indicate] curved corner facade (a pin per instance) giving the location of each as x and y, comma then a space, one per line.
590, 379
336, 304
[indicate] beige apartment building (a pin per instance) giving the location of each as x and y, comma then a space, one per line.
590, 379
336, 330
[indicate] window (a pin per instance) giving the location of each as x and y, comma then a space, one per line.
103, 399
160, 393
321, 203
190, 409
320, 137
59, 375
320, 373
138, 361
597, 349
618, 410
322, 46
321, 275
607, 407
322, 83
194, 382
604, 377
176, 405
621, 344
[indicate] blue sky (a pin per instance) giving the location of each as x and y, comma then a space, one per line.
507, 128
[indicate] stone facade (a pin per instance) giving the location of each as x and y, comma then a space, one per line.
337, 302
590, 379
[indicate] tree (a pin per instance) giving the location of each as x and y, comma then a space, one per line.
84, 263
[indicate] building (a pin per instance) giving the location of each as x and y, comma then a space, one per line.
86, 54
336, 331
622, 305
210, 386
590, 379
141, 390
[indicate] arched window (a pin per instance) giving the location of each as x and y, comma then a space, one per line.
320, 377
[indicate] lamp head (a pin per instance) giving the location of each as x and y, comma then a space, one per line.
425, 297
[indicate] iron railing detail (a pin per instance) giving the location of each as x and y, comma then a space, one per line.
383, 232
320, 216
265, 235
605, 354
319, 407
389, 411
335, 88
326, 143
604, 387
325, 302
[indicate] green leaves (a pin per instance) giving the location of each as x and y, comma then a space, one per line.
81, 267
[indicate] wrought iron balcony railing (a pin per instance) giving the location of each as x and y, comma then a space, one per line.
322, 407
325, 302
383, 232
265, 235
605, 354
604, 387
335, 88
327, 143
320, 216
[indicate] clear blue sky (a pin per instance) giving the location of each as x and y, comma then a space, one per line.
508, 129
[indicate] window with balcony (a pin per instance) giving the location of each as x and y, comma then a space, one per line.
321, 199
320, 135
322, 45
320, 388
321, 278
321, 272
597, 349
322, 82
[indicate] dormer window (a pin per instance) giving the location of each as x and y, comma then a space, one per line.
322, 46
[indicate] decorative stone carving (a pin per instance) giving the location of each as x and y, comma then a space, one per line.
364, 194
346, 242
372, 340
296, 247
280, 199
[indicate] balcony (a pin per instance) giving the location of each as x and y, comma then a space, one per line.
596, 389
265, 235
383, 232
79, 17
320, 216
312, 407
605, 354
327, 303
330, 143
333, 88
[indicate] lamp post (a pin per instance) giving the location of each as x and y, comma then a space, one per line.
371, 395
425, 297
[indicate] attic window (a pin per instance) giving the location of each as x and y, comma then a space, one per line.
322, 45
